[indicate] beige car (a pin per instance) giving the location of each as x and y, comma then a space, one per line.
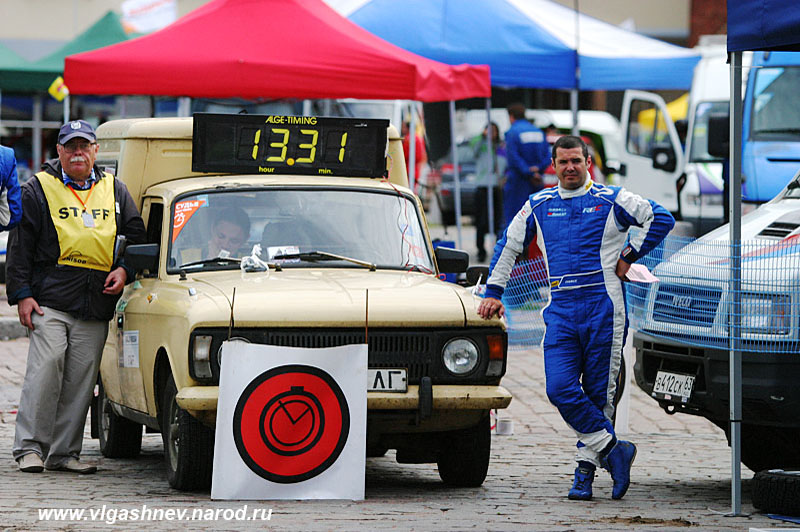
337, 254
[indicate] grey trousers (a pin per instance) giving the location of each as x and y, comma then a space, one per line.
63, 359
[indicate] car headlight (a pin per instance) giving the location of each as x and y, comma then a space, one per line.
201, 360
765, 314
234, 339
460, 356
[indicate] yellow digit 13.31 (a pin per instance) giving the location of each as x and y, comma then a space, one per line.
282, 144
310, 146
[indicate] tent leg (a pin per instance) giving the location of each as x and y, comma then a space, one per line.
492, 177
573, 105
735, 235
36, 132
412, 148
66, 108
456, 172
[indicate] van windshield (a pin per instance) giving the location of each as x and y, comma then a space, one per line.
699, 149
776, 114
371, 226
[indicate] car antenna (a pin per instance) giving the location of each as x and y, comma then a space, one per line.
230, 324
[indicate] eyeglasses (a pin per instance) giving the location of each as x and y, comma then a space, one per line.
78, 146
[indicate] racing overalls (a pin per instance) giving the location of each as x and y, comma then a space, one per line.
582, 234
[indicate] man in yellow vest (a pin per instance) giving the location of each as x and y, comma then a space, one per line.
65, 279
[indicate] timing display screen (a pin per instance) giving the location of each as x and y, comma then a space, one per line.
280, 144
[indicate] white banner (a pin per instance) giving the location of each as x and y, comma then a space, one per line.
291, 423
144, 16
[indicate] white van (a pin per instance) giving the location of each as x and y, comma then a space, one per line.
681, 176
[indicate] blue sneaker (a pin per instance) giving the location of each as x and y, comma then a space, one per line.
618, 462
582, 486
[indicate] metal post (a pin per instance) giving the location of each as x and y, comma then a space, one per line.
184, 106
412, 148
66, 108
456, 172
306, 107
573, 94
735, 314
36, 134
493, 177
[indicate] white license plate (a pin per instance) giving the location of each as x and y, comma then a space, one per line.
673, 385
387, 380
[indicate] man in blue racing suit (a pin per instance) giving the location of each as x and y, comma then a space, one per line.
582, 230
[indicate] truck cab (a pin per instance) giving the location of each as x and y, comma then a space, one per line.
316, 214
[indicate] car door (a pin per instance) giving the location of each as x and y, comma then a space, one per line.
652, 158
123, 373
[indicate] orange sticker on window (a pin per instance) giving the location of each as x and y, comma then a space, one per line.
183, 211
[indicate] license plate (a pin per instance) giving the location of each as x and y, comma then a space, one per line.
387, 380
673, 386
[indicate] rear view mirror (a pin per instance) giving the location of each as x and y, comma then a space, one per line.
451, 260
664, 158
719, 135
476, 274
142, 257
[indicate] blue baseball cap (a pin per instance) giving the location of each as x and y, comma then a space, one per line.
76, 128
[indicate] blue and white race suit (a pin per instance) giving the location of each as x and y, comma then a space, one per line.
582, 234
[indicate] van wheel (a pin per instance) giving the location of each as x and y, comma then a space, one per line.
188, 444
464, 456
119, 437
777, 491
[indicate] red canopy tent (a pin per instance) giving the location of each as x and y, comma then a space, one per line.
269, 49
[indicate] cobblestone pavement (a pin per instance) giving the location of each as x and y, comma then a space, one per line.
681, 479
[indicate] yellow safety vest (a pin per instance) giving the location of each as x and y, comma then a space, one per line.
86, 232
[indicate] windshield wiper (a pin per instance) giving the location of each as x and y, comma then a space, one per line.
318, 256
794, 130
213, 260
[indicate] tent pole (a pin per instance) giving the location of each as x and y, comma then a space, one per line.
306, 107
492, 177
36, 133
66, 108
573, 94
735, 273
456, 172
412, 148
184, 106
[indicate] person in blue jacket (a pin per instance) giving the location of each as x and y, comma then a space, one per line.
10, 198
582, 230
527, 156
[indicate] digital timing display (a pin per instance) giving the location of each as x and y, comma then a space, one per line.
278, 144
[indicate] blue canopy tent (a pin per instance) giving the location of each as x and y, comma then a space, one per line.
756, 25
526, 43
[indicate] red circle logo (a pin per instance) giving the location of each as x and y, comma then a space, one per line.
291, 423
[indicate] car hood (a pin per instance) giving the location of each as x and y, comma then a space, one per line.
768, 241
327, 298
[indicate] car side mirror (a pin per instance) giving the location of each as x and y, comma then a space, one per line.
614, 166
477, 274
719, 135
142, 257
664, 158
451, 260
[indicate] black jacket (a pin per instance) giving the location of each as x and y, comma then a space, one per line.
32, 268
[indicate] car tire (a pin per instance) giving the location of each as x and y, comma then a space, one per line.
765, 447
188, 444
119, 437
777, 492
464, 457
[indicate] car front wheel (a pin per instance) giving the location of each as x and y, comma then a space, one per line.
188, 444
464, 458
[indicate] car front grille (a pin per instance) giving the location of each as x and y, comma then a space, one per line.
686, 305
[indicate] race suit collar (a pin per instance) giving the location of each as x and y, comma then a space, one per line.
567, 193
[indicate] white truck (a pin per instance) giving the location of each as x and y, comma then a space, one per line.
679, 174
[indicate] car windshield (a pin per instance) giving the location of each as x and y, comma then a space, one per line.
699, 149
775, 110
373, 227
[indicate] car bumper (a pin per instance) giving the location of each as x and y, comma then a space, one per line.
197, 399
770, 395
